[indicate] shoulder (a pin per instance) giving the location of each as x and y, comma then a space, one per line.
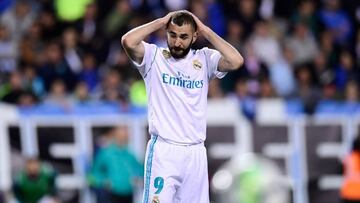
150, 45
202, 50
206, 51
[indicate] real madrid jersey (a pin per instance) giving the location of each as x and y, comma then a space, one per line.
177, 92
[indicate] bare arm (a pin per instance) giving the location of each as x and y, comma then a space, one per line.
231, 59
132, 40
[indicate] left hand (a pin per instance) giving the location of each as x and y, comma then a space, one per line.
201, 27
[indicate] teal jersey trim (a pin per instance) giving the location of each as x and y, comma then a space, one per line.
148, 169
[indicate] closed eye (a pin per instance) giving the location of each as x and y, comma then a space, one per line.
172, 34
184, 36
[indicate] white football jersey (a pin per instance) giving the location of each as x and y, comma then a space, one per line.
177, 92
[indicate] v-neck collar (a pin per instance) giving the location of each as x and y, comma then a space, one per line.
172, 59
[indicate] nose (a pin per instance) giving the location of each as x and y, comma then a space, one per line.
178, 42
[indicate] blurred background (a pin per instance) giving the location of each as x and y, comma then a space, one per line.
73, 122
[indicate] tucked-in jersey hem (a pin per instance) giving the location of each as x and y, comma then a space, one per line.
161, 139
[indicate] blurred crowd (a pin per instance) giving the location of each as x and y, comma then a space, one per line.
113, 174
65, 54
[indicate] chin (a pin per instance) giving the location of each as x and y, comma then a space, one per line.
177, 55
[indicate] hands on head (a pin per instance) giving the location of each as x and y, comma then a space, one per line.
201, 27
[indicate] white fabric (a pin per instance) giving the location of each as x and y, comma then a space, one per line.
177, 92
184, 178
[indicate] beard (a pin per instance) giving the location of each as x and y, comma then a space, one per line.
178, 52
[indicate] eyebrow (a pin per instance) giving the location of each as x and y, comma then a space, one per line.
181, 35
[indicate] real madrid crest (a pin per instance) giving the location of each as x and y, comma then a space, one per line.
166, 53
197, 64
155, 199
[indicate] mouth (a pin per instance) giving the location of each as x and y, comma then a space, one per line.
178, 49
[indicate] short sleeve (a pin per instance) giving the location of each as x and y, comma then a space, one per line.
149, 55
212, 59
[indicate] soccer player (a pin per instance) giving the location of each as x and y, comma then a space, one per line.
177, 80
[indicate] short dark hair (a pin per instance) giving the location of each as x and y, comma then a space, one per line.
181, 18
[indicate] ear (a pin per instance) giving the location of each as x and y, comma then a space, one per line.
195, 35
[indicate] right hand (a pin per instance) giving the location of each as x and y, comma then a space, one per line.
168, 16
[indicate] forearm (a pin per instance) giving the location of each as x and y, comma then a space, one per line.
230, 55
135, 36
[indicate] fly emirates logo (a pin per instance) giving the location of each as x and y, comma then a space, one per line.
182, 81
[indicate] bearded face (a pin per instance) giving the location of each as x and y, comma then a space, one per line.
180, 39
179, 52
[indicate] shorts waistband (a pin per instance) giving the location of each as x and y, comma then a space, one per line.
159, 138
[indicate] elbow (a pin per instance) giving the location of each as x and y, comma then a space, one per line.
125, 41
238, 62
128, 43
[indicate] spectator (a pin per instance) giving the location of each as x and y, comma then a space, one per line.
282, 77
266, 89
88, 25
26, 100
328, 47
324, 74
121, 63
303, 44
351, 184
49, 25
71, 50
117, 19
305, 13
255, 70
19, 19
35, 183
198, 7
352, 92
83, 45
337, 21
90, 33
31, 46
215, 91
8, 51
346, 70
235, 32
11, 91
115, 170
89, 72
216, 18
58, 96
32, 82
55, 67
112, 87
235, 38
248, 102
266, 47
246, 12
81, 94
307, 91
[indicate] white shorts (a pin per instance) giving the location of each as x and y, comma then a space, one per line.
175, 173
